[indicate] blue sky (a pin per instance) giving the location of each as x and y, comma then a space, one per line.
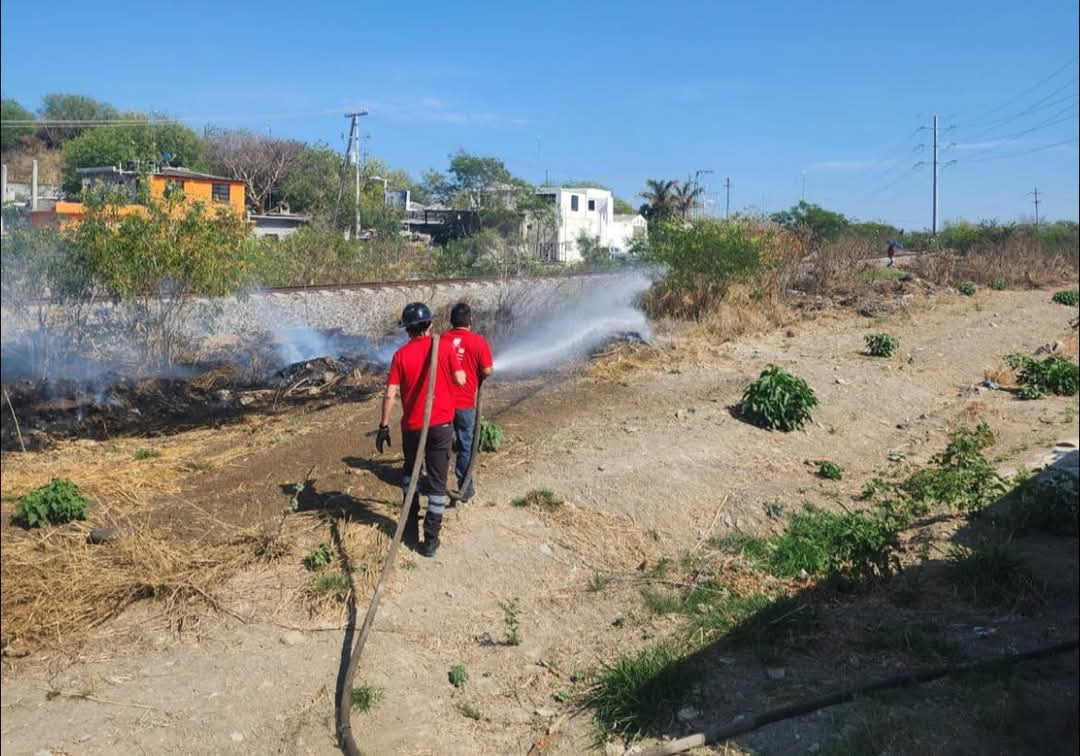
615, 92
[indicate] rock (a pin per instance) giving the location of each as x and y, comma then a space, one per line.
237, 737
776, 673
687, 714
601, 468
614, 749
544, 713
292, 638
841, 381
680, 414
247, 400
546, 550
102, 535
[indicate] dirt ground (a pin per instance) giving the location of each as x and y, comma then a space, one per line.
646, 452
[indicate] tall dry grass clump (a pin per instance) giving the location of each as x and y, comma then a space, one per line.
1018, 261
837, 266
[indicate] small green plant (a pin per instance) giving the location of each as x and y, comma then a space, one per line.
998, 284
1055, 375
491, 436
331, 583
538, 497
511, 621
469, 710
1048, 503
778, 400
458, 676
55, 503
364, 698
881, 344
829, 470
662, 602
318, 557
774, 510
142, 454
993, 571
638, 694
1070, 297
966, 288
960, 477
599, 581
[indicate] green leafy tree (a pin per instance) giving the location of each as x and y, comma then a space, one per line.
823, 224
141, 143
12, 136
622, 207
707, 250
71, 107
311, 186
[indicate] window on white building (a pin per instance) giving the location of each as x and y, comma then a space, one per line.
592, 205
574, 202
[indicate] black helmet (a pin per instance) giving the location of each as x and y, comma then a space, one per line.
415, 314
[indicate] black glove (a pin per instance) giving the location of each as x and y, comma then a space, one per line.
382, 437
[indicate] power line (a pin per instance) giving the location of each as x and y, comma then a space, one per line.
1034, 108
1022, 152
1025, 92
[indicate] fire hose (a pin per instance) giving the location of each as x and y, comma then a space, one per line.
344, 707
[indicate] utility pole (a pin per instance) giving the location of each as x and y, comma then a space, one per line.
933, 223
802, 197
354, 150
1036, 193
697, 173
727, 197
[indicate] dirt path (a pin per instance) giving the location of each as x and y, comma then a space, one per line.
650, 464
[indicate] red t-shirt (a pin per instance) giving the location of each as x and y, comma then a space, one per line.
409, 370
473, 355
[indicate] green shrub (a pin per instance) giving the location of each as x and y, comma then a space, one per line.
993, 571
829, 470
881, 344
1048, 503
458, 676
960, 477
538, 497
491, 436
332, 583
511, 621
966, 288
778, 400
56, 502
997, 284
365, 698
847, 547
1054, 374
638, 694
318, 557
1070, 297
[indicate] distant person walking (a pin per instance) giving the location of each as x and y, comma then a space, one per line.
891, 251
474, 358
409, 376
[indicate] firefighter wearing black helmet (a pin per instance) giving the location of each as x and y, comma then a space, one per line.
409, 377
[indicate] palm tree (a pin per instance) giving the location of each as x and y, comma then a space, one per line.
659, 197
686, 197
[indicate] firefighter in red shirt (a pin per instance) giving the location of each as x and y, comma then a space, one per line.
474, 357
409, 376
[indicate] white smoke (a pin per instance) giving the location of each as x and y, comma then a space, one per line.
602, 311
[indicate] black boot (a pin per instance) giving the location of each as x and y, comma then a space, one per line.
432, 526
411, 536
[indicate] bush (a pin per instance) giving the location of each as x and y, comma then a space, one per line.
318, 557
881, 344
538, 497
491, 436
829, 470
1048, 503
778, 400
1070, 297
967, 289
458, 676
55, 503
847, 547
365, 698
997, 284
993, 571
1054, 374
961, 477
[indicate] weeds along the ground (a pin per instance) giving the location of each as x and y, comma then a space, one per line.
781, 595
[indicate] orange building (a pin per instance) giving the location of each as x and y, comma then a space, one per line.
165, 183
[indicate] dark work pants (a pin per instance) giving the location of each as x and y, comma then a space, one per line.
437, 461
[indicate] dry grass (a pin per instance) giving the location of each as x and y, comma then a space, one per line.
836, 267
58, 587
601, 540
1019, 263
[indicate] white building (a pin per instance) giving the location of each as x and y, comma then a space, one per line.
584, 210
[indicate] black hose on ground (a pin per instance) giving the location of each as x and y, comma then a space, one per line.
743, 726
344, 707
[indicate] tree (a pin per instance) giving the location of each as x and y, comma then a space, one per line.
660, 202
141, 144
823, 224
261, 162
71, 107
312, 183
475, 176
12, 136
622, 207
686, 196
